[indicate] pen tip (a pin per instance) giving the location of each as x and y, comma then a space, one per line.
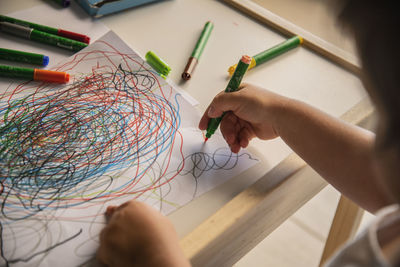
205, 140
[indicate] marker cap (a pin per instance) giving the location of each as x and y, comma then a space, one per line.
246, 59
46, 60
157, 63
51, 76
74, 36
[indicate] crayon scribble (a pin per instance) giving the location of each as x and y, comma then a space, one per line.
66, 148
58, 144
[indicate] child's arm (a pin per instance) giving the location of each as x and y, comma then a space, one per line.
340, 152
138, 235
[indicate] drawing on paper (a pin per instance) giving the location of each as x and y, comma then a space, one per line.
111, 135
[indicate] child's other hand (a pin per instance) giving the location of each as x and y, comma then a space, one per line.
138, 235
250, 113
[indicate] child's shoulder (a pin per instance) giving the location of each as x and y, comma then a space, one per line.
377, 245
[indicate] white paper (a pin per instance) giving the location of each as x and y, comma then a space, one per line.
116, 132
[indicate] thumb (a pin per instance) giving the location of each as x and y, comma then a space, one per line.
110, 211
225, 102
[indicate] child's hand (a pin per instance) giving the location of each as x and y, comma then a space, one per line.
250, 114
138, 235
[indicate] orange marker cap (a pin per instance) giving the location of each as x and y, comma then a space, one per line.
51, 76
246, 59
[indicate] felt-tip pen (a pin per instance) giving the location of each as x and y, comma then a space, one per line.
22, 56
43, 28
232, 86
272, 52
42, 37
198, 50
34, 74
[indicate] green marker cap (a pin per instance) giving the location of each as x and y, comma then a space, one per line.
157, 63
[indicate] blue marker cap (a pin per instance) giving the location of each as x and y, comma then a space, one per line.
45, 60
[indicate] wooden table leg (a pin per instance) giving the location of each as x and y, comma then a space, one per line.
344, 226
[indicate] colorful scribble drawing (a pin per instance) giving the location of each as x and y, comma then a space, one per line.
66, 151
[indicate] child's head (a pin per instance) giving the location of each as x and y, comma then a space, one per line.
375, 26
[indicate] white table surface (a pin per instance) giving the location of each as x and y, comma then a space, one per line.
171, 28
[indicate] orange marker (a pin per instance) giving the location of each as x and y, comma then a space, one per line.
34, 74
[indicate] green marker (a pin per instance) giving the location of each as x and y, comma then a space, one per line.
43, 28
28, 24
272, 52
22, 56
158, 64
198, 50
232, 86
41, 37
16, 72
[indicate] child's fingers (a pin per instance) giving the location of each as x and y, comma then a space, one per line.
204, 120
110, 211
224, 102
103, 252
244, 142
245, 135
235, 148
228, 127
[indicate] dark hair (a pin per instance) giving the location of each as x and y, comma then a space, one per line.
376, 28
